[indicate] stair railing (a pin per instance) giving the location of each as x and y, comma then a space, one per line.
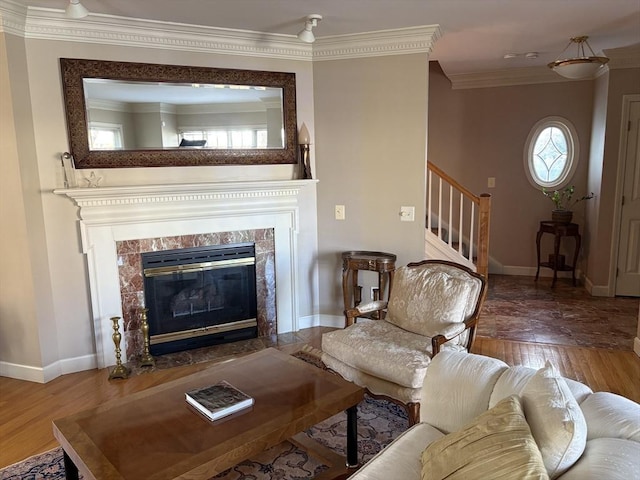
459, 214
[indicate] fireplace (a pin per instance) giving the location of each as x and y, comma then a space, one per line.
118, 224
198, 297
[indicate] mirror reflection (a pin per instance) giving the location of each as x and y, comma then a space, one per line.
123, 115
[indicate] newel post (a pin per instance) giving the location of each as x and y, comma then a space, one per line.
484, 220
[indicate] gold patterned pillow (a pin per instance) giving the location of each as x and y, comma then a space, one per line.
497, 445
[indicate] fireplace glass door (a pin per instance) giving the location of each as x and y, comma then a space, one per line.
200, 296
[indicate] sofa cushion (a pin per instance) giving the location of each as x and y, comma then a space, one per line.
607, 458
556, 421
511, 382
401, 458
610, 415
457, 388
431, 299
497, 444
382, 350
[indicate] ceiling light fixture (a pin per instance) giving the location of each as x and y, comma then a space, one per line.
306, 34
76, 10
580, 67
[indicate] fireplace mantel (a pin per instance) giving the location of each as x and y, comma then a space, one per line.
96, 203
112, 214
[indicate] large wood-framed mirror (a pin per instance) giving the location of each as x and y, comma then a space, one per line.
123, 114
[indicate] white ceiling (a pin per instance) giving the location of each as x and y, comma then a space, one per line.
476, 33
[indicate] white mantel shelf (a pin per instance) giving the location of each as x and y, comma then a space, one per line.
101, 205
136, 194
121, 213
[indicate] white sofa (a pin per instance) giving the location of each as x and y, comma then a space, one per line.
596, 436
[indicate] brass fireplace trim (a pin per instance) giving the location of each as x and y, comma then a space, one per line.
199, 332
197, 267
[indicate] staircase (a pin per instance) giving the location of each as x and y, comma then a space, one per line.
457, 226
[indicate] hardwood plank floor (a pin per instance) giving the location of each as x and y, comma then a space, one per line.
601, 369
27, 409
574, 325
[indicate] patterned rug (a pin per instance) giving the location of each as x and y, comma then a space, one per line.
379, 422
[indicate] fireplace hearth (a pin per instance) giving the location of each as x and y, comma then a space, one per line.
201, 296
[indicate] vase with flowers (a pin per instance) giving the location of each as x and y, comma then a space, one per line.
564, 202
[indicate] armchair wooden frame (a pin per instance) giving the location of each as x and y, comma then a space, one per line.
471, 323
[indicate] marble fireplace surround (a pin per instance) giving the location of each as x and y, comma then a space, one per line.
110, 217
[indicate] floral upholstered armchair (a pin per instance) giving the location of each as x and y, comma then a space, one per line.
433, 305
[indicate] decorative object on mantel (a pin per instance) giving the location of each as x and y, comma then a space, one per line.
304, 140
306, 34
147, 359
580, 67
119, 371
69, 170
76, 10
92, 180
563, 203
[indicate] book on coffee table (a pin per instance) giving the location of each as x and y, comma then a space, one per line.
219, 400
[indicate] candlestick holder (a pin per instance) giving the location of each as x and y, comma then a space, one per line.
119, 371
305, 162
147, 359
304, 140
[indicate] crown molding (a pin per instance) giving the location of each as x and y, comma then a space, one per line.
399, 41
52, 24
504, 78
509, 77
626, 57
13, 18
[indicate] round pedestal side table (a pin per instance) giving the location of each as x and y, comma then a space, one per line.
353, 261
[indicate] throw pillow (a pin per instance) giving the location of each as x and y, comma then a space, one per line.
556, 420
497, 445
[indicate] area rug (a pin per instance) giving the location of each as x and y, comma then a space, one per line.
379, 422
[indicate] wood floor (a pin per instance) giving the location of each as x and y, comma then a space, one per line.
27, 409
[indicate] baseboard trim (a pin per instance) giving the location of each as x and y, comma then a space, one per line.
636, 346
22, 372
531, 272
597, 290
321, 320
50, 372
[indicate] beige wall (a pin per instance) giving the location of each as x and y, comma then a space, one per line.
27, 334
49, 222
479, 133
370, 134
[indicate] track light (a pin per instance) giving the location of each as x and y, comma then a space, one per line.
306, 34
76, 10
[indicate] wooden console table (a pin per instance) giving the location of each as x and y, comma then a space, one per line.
558, 230
381, 262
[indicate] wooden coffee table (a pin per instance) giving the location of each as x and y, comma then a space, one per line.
155, 434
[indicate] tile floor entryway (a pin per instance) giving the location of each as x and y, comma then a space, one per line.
521, 309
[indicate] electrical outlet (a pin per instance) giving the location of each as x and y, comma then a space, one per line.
340, 212
491, 182
407, 214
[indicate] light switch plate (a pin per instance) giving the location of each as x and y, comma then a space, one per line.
407, 214
491, 182
340, 212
